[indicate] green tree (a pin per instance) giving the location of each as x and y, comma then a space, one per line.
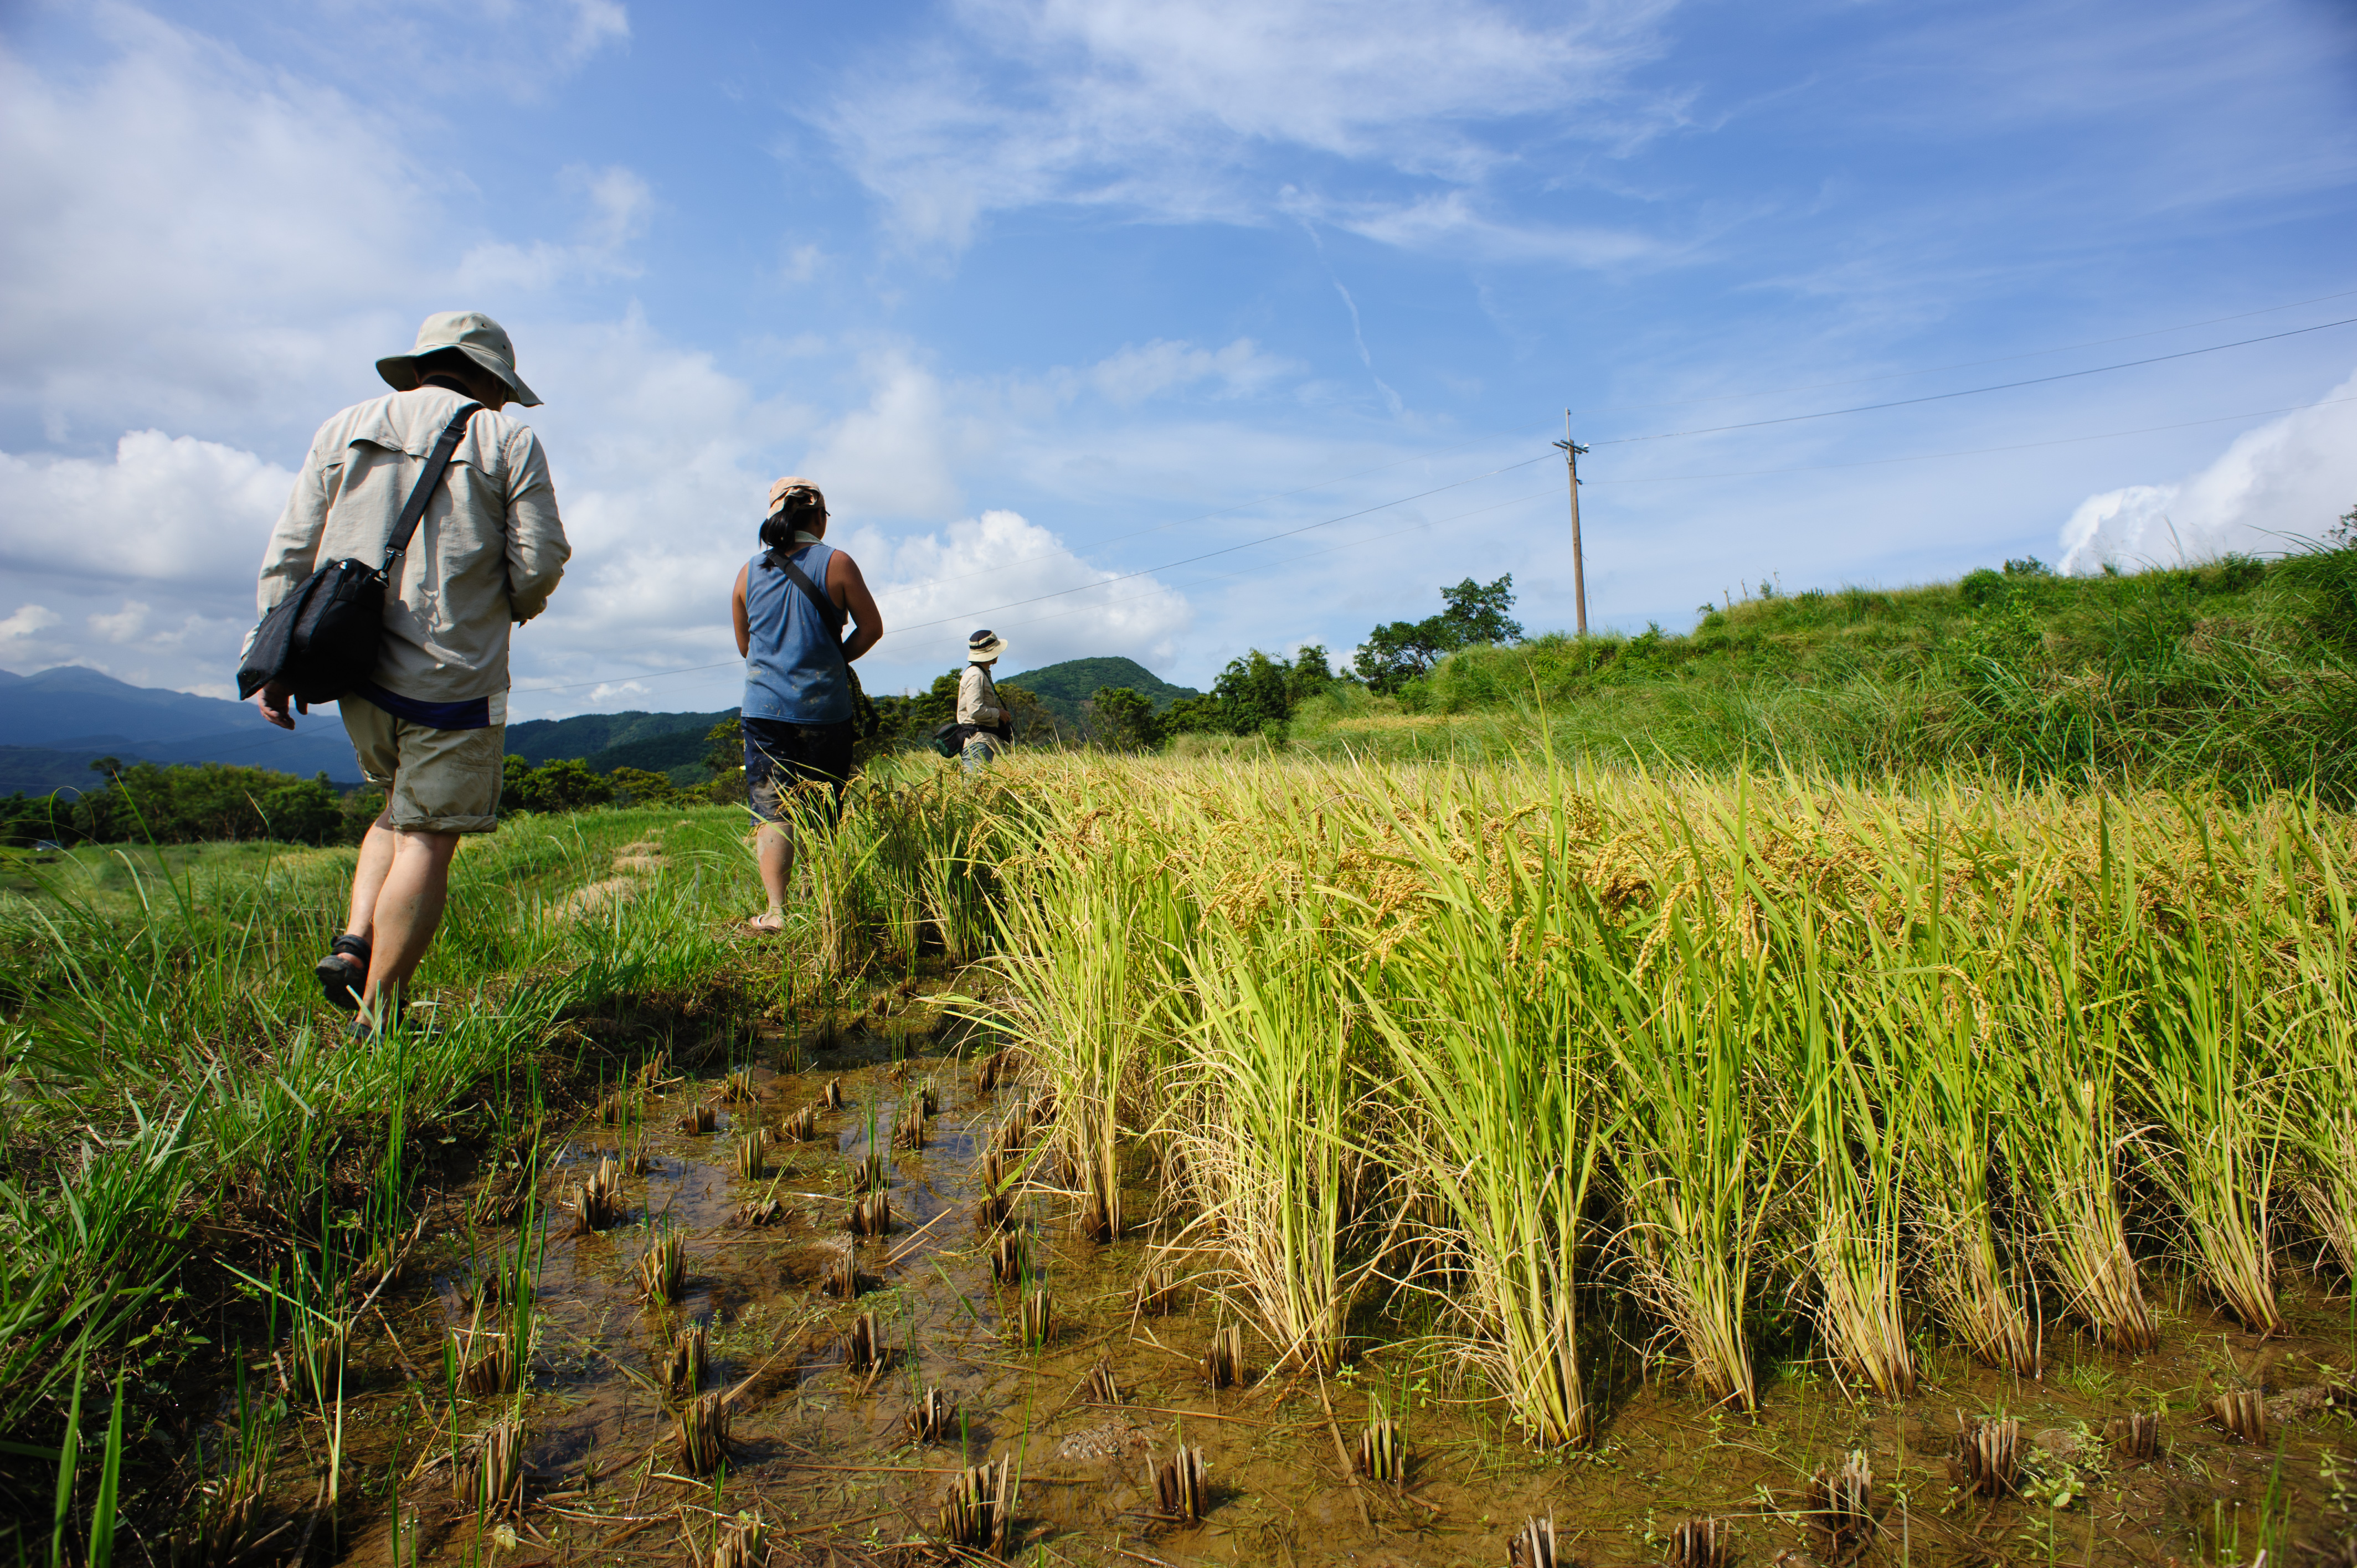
1402, 651
724, 746
564, 786
640, 787
1124, 720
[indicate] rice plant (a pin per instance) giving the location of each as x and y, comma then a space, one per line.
1925, 1031
2203, 1075
979, 1508
1855, 1150
1501, 1108
1263, 1119
2057, 1126
701, 1426
681, 1364
1077, 926
662, 1267
1693, 1166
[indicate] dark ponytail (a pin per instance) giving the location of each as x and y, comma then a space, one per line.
797, 509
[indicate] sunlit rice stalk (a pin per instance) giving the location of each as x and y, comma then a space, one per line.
2057, 1126
1925, 1024
2203, 1074
1854, 1131
2317, 1046
1082, 924
1692, 1165
1498, 1103
1262, 1118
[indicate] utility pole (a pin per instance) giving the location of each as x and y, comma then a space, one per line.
1571, 454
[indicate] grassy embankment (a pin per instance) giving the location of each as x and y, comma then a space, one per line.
2240, 672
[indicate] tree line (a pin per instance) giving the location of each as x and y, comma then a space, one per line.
1255, 694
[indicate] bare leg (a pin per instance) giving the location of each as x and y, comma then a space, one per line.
368, 877
774, 850
408, 908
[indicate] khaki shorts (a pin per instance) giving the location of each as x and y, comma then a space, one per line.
437, 780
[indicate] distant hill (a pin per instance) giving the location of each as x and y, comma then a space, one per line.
591, 735
1064, 687
53, 725
78, 713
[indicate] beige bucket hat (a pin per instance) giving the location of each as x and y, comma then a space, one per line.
985, 647
473, 334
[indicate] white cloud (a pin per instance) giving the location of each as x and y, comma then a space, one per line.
164, 509
459, 48
619, 204
122, 625
29, 621
1165, 107
166, 259
945, 574
892, 458
1133, 375
2291, 478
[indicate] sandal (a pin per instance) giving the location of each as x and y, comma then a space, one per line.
344, 970
769, 923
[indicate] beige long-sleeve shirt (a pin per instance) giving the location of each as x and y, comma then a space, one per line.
978, 697
485, 558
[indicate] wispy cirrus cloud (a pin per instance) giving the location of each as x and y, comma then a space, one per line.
1198, 112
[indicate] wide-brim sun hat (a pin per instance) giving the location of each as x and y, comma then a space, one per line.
473, 334
984, 646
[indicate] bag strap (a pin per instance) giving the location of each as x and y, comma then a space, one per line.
829, 615
413, 511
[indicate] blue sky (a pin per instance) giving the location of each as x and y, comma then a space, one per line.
1053, 296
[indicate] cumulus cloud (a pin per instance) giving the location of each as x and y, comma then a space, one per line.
2288, 480
164, 509
1162, 107
618, 205
29, 621
165, 260
935, 587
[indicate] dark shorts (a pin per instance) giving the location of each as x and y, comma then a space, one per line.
778, 755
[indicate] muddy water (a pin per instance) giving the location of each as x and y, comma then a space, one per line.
822, 1454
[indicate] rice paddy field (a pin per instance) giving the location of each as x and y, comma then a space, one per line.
1214, 1160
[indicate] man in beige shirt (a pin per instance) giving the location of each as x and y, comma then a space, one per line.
429, 725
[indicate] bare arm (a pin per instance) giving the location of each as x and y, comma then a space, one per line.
737, 613
849, 591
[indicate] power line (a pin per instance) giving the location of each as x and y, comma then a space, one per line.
1204, 516
1970, 451
1208, 555
1083, 588
1973, 392
1962, 364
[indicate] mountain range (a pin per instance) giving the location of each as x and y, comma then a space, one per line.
54, 725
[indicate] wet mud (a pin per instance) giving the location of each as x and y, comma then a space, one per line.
819, 1450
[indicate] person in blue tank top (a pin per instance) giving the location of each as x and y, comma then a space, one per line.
798, 712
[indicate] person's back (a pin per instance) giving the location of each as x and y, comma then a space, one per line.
789, 606
487, 554
429, 724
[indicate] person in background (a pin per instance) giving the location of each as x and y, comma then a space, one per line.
798, 713
991, 726
428, 726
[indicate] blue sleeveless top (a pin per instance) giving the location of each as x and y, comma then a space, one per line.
791, 669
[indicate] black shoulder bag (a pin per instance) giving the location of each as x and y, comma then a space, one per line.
831, 618
323, 640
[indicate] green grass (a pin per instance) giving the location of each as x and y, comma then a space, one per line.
2238, 672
